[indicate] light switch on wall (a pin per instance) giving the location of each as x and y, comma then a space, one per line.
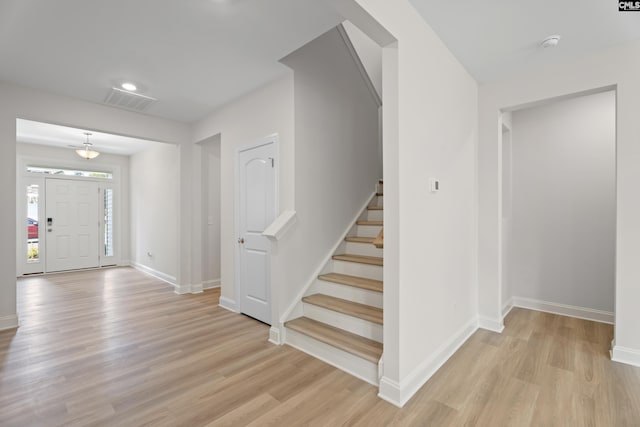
434, 185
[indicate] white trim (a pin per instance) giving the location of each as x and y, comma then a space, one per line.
347, 362
9, 322
565, 310
507, 307
399, 393
361, 68
211, 284
274, 336
228, 304
298, 298
155, 273
629, 356
493, 325
280, 226
196, 288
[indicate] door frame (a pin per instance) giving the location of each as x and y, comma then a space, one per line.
270, 139
23, 178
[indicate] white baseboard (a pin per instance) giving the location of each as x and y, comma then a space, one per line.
157, 274
630, 356
9, 322
565, 310
399, 393
210, 284
507, 307
182, 289
275, 337
196, 288
228, 304
493, 325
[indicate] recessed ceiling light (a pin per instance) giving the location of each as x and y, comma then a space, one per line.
129, 86
551, 41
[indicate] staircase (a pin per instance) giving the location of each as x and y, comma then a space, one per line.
341, 320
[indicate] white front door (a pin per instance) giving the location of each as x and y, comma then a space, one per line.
71, 224
257, 210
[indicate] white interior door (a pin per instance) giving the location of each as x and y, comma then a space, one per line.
257, 210
71, 224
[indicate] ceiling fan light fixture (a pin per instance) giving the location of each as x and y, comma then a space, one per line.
87, 152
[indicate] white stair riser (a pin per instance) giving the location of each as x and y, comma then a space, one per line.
357, 326
368, 230
357, 269
379, 201
375, 215
351, 364
366, 249
351, 293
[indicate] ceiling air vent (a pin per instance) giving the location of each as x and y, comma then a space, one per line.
128, 100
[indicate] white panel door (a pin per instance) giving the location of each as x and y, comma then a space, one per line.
257, 210
72, 224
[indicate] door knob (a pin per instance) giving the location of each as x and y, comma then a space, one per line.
241, 240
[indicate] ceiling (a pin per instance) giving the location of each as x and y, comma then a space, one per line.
495, 38
196, 55
192, 55
31, 132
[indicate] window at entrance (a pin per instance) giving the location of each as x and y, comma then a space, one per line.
69, 172
33, 233
108, 222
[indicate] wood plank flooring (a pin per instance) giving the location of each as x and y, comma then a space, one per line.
117, 348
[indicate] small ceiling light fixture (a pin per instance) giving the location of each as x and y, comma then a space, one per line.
87, 152
129, 86
551, 41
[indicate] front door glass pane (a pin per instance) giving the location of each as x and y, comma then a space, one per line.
33, 231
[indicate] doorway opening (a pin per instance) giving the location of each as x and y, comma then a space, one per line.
559, 207
70, 219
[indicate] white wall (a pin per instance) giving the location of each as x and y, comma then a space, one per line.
31, 104
429, 273
370, 54
563, 228
336, 159
211, 211
616, 67
60, 157
261, 113
154, 177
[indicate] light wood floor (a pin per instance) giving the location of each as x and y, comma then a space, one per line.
115, 347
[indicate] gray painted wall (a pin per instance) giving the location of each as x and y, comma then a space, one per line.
563, 223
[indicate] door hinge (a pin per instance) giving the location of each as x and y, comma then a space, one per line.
272, 161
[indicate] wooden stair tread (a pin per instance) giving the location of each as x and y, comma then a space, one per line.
379, 194
375, 208
357, 239
376, 223
355, 309
356, 282
362, 259
379, 241
351, 343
